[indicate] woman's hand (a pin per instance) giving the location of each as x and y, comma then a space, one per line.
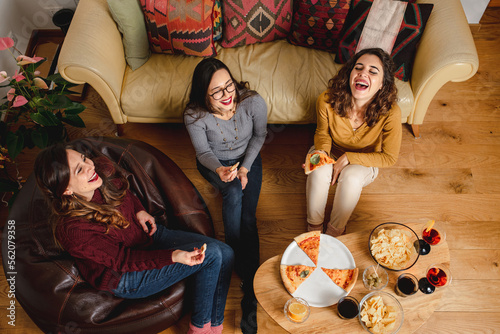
143, 217
188, 258
242, 175
225, 173
338, 166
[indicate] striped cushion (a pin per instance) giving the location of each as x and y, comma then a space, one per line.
410, 32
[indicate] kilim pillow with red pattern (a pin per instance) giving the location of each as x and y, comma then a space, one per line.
317, 23
249, 22
180, 26
403, 52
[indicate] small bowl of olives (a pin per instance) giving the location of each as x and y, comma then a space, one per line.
375, 278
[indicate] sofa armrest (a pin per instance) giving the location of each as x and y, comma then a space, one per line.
93, 53
446, 53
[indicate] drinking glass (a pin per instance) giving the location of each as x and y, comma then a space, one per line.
433, 234
348, 307
406, 285
437, 276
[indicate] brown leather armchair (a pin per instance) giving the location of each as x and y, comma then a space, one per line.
48, 285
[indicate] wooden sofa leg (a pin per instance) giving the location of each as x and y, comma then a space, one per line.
415, 128
119, 130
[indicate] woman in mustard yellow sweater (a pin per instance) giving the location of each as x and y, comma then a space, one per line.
359, 125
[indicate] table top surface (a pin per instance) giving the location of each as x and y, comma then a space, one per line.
272, 295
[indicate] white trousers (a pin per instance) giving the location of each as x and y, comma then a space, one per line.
350, 182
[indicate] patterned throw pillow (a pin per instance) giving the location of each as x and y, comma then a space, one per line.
403, 52
217, 19
180, 26
317, 23
249, 22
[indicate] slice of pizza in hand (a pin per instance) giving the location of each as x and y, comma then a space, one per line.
294, 276
345, 278
309, 243
315, 160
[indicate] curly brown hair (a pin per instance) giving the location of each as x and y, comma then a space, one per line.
339, 91
52, 174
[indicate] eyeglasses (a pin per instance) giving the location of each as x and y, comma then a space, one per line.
220, 93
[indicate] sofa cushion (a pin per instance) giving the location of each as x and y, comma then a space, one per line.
130, 21
180, 27
403, 52
289, 78
217, 20
317, 24
249, 22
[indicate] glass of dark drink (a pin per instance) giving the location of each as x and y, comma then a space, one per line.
433, 234
348, 307
406, 285
437, 276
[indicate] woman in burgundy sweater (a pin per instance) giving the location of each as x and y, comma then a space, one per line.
117, 245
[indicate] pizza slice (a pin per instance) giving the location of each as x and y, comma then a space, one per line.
345, 278
316, 160
309, 243
294, 276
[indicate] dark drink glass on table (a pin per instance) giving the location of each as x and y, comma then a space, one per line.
437, 276
406, 285
348, 307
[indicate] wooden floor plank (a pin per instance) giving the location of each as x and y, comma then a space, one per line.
450, 174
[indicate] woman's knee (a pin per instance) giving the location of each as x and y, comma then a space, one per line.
233, 193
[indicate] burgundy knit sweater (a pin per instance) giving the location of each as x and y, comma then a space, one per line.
102, 258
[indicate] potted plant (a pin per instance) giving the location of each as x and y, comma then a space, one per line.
33, 113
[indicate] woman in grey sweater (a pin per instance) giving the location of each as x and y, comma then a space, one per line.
227, 123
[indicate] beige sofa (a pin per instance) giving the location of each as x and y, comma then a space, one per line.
288, 77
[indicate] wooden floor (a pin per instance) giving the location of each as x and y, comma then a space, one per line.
451, 174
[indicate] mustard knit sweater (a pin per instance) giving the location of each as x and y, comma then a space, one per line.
376, 146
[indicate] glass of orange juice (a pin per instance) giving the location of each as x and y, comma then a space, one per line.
297, 310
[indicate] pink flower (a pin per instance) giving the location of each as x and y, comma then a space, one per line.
18, 77
10, 94
19, 101
6, 43
3, 76
40, 83
25, 60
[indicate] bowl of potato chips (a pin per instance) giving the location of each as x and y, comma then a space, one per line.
380, 313
394, 246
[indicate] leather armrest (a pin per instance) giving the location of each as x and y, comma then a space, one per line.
93, 53
446, 53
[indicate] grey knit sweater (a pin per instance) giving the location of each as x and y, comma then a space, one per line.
207, 137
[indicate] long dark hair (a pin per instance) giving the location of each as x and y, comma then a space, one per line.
340, 95
199, 100
52, 175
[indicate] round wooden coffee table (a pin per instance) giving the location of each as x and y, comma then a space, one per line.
272, 295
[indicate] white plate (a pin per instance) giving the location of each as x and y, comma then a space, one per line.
318, 289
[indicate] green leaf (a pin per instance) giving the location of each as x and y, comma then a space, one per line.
75, 109
7, 185
57, 102
45, 118
58, 79
40, 137
15, 144
74, 120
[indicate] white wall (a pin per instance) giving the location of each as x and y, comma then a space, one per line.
20, 17
474, 9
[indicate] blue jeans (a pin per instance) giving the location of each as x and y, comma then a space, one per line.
238, 214
210, 279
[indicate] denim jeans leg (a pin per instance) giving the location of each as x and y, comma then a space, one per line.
238, 214
211, 278
249, 231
